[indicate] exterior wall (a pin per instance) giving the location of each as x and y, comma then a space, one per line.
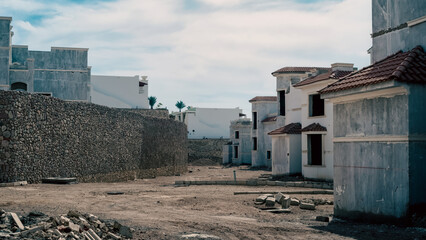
371, 157
47, 137
390, 30
118, 92
263, 109
209, 122
205, 151
244, 143
325, 171
286, 154
5, 41
227, 153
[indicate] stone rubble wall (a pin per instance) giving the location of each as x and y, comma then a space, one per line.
206, 151
46, 137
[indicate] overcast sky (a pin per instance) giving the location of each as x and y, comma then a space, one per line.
207, 53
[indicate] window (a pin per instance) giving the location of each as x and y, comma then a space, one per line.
314, 149
268, 154
282, 102
237, 134
19, 86
254, 120
255, 143
316, 105
235, 151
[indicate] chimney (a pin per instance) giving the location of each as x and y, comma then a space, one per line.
342, 67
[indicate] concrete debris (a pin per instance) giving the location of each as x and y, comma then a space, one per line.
279, 198
294, 202
322, 219
285, 201
270, 202
262, 198
307, 206
74, 225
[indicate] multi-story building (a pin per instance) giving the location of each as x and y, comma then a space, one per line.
238, 151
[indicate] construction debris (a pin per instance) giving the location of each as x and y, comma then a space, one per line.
72, 226
307, 206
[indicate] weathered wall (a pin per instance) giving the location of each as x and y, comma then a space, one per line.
44, 137
371, 164
206, 151
244, 142
390, 30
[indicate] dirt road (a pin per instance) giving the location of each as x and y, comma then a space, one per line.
157, 209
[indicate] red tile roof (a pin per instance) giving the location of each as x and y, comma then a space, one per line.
299, 69
402, 66
322, 77
314, 127
270, 119
292, 128
264, 98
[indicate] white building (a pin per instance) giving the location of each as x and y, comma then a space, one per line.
317, 123
208, 122
286, 139
264, 113
119, 91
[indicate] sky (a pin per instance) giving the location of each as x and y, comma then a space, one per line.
206, 53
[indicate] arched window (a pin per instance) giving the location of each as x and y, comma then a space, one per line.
19, 86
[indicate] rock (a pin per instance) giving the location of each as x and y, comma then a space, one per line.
307, 206
36, 214
32, 230
74, 227
294, 202
73, 213
285, 202
270, 202
113, 236
322, 219
279, 198
125, 231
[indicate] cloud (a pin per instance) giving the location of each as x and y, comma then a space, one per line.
219, 56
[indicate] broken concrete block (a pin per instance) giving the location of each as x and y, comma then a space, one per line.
279, 198
322, 219
93, 234
286, 202
32, 230
74, 227
307, 206
270, 202
64, 220
17, 221
294, 202
74, 214
262, 198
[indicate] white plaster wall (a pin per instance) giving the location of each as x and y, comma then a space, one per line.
326, 170
211, 122
118, 92
264, 109
280, 164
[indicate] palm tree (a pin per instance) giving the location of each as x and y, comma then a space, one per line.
180, 105
152, 100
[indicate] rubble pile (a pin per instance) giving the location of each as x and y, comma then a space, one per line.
72, 226
268, 202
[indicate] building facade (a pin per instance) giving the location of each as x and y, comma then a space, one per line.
239, 147
264, 115
61, 72
120, 91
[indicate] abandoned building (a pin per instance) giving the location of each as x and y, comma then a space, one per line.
238, 150
379, 134
120, 91
264, 115
61, 72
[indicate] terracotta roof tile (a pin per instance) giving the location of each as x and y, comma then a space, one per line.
270, 119
314, 127
299, 69
402, 66
292, 128
264, 98
322, 77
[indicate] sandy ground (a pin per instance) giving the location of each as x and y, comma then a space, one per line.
157, 209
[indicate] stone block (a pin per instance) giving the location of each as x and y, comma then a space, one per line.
279, 198
270, 202
17, 221
294, 202
262, 198
286, 202
307, 206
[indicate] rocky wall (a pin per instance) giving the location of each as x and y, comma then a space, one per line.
46, 137
206, 151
